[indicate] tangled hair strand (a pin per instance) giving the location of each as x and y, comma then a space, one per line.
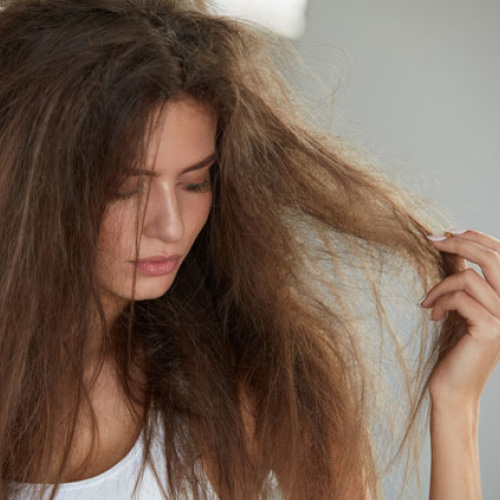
256, 359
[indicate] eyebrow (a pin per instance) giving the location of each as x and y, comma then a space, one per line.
196, 166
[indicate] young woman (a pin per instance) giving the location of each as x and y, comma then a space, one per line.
165, 207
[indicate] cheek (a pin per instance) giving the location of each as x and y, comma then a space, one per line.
110, 241
201, 212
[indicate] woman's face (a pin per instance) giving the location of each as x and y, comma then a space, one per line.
175, 212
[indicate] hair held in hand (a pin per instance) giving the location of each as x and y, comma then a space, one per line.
305, 230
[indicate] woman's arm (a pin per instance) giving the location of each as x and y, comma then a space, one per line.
455, 455
458, 380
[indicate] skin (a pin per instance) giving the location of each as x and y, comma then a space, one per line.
174, 217
460, 378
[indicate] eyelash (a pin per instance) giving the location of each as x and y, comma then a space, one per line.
197, 188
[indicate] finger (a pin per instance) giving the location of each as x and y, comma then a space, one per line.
470, 282
461, 263
483, 326
486, 258
479, 237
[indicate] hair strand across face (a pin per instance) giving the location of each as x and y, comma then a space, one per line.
303, 234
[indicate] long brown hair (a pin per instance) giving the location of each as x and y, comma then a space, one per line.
303, 225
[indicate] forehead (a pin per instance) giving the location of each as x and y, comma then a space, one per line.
184, 134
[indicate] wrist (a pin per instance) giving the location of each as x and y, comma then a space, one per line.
449, 409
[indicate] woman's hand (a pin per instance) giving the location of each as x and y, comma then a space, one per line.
461, 375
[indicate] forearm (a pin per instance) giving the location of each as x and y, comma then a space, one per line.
455, 471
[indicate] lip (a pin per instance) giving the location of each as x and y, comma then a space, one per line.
157, 259
157, 265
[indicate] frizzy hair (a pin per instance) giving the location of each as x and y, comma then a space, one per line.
294, 210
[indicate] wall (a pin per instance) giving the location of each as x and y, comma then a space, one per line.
417, 83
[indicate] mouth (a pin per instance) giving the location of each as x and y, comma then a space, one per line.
157, 267
157, 259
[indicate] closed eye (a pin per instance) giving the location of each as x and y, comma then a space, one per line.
204, 187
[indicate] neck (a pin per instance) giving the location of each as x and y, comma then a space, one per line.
113, 307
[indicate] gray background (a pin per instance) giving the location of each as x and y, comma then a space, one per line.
417, 84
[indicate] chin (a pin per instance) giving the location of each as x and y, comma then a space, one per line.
151, 288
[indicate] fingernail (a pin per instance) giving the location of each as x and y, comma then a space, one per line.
456, 230
435, 237
422, 299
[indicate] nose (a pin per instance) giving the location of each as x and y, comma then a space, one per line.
163, 217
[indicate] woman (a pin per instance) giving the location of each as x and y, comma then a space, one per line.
147, 129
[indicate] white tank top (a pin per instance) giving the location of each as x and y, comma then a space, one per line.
117, 483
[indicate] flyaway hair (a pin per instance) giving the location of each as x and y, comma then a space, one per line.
305, 230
